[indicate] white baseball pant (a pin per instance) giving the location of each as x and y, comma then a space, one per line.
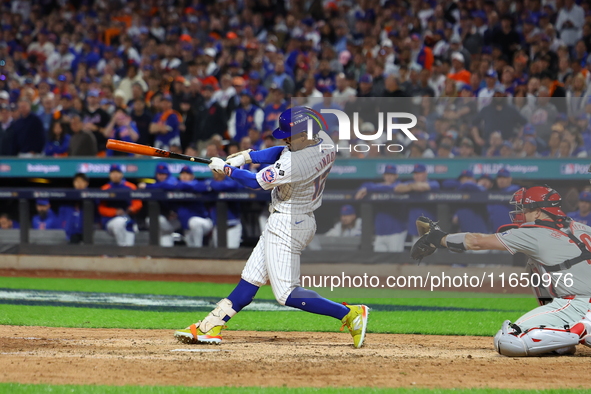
390, 243
233, 237
276, 257
117, 228
166, 230
198, 228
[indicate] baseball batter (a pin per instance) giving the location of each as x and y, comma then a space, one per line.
296, 177
557, 246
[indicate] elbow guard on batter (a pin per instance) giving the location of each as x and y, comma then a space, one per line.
510, 341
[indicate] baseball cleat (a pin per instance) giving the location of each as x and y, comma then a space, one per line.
356, 322
193, 335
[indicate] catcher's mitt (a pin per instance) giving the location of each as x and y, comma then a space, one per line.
430, 240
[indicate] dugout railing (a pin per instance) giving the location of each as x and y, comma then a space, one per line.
443, 202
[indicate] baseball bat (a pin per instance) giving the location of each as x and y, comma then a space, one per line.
138, 149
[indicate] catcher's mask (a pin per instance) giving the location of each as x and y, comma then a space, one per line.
542, 197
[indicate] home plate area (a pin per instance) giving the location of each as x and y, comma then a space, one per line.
294, 359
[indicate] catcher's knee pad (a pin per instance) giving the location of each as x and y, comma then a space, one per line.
216, 317
510, 341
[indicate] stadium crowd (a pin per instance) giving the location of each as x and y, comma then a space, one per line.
488, 78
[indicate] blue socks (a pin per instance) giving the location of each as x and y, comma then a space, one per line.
242, 295
310, 301
300, 298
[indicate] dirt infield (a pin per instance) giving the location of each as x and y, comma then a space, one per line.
148, 357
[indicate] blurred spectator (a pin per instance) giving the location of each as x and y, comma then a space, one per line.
193, 215
575, 140
187, 127
505, 37
506, 149
555, 90
459, 72
132, 76
46, 111
444, 150
389, 230
553, 145
116, 215
466, 148
81, 142
419, 184
58, 141
6, 130
530, 148
227, 90
576, 96
29, 140
570, 22
6, 223
495, 142
499, 213
165, 125
45, 218
281, 79
254, 87
343, 92
211, 118
274, 109
246, 117
222, 183
95, 120
488, 91
499, 115
542, 114
348, 226
71, 215
583, 215
530, 131
142, 119
122, 128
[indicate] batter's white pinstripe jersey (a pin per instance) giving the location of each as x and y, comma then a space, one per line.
298, 178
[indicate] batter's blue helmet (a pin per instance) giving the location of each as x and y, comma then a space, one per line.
295, 120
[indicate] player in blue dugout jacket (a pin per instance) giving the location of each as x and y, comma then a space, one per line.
419, 184
583, 215
498, 214
164, 181
70, 215
389, 227
45, 218
469, 219
193, 215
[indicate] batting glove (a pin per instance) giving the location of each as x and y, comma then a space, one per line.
239, 159
217, 165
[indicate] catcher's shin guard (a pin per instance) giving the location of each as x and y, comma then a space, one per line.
509, 341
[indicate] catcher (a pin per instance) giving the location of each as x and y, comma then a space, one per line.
555, 244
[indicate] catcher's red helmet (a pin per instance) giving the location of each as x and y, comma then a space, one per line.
542, 197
